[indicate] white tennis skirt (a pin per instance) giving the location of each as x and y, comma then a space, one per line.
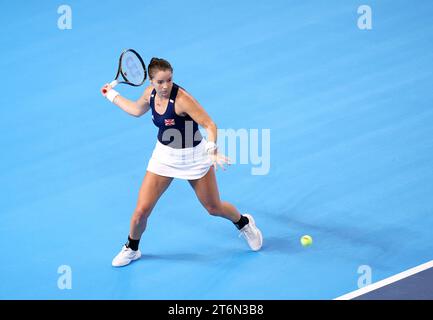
187, 163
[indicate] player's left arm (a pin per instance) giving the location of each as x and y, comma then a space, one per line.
185, 103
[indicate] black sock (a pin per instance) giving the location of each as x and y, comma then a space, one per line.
132, 244
242, 222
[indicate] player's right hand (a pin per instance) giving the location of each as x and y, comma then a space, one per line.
105, 89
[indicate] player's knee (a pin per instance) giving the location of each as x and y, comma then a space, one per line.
142, 212
214, 209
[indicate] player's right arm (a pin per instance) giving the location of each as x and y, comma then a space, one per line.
134, 108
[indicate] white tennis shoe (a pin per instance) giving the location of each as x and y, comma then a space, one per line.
252, 234
125, 256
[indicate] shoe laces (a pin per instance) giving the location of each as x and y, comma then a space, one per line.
247, 232
126, 250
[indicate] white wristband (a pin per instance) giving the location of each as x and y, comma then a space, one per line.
111, 95
210, 147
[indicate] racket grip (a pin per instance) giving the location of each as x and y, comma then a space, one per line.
114, 83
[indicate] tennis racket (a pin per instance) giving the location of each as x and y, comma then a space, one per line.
131, 70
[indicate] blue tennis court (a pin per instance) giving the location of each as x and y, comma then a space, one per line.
339, 145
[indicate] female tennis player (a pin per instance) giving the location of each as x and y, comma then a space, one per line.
180, 152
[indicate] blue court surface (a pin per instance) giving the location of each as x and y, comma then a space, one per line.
350, 160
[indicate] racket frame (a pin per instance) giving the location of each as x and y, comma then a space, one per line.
116, 81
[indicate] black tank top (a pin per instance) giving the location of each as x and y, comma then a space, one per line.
175, 131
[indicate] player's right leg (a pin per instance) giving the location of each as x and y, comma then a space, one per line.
152, 188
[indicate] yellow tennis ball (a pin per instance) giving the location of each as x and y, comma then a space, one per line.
306, 240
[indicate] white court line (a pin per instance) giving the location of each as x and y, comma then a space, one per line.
386, 281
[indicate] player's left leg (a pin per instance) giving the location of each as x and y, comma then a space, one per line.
206, 189
207, 192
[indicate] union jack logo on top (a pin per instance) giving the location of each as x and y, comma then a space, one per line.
169, 122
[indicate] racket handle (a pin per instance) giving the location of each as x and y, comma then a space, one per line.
112, 84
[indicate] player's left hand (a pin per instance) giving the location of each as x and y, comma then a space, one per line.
219, 159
